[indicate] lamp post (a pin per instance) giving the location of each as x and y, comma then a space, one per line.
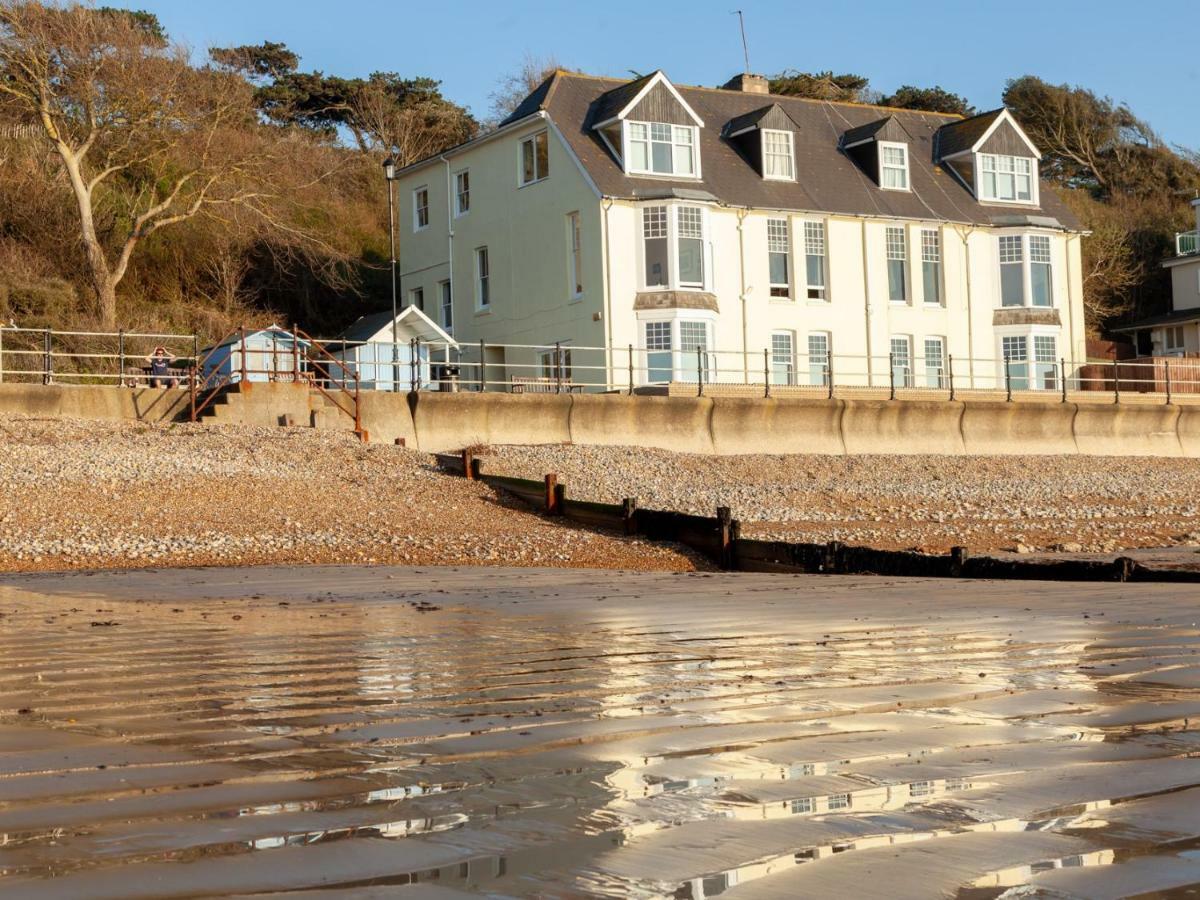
389, 172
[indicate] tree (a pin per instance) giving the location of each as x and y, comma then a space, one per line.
820, 85
516, 86
260, 63
144, 140
933, 99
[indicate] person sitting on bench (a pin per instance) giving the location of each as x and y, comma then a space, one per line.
160, 365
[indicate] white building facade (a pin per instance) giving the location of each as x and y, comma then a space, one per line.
730, 235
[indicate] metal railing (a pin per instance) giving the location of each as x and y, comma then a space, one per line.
1187, 243
342, 369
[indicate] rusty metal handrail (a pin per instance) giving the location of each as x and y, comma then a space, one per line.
323, 369
197, 386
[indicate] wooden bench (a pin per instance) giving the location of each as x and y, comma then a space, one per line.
528, 384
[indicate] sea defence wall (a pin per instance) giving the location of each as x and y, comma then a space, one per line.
437, 422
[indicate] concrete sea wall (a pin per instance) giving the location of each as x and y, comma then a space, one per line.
719, 425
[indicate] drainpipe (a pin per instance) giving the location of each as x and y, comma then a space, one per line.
866, 263
606, 205
743, 296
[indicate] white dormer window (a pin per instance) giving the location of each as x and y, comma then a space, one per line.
1007, 179
656, 148
893, 166
777, 155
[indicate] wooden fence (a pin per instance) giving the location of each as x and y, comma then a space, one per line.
719, 538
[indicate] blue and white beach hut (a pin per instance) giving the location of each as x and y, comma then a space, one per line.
270, 355
384, 362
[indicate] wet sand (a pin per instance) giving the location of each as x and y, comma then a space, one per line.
381, 732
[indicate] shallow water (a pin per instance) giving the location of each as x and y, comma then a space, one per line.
381, 732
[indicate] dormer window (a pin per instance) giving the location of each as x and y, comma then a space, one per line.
893, 166
1005, 178
778, 162
656, 148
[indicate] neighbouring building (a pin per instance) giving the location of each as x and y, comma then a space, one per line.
377, 350
746, 226
1176, 333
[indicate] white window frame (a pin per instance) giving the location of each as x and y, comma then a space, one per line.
931, 252
981, 164
416, 297
934, 377
418, 208
890, 256
908, 366
627, 141
446, 310
538, 175
575, 255
783, 358
1033, 376
809, 243
672, 237
818, 360
779, 290
483, 260
682, 363
884, 167
790, 155
462, 178
1168, 340
1027, 263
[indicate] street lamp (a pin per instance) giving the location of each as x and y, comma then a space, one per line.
389, 172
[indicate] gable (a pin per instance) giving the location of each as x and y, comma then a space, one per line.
1005, 140
659, 104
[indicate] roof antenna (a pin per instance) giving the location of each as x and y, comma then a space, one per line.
745, 49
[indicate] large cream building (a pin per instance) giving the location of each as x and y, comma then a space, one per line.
770, 232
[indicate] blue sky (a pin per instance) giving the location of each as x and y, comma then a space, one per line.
1129, 51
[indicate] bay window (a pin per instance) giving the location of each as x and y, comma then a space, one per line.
1006, 178
1025, 370
779, 252
674, 247
677, 349
656, 148
1026, 270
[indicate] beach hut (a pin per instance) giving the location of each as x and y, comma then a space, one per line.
271, 354
383, 361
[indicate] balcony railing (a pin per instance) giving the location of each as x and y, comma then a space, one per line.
1187, 243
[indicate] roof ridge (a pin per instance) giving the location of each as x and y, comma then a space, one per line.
776, 97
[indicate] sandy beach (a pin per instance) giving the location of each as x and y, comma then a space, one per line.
419, 732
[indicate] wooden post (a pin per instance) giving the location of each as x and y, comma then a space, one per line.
560, 499
725, 537
400, 442
468, 460
1123, 568
958, 561
551, 499
629, 514
830, 562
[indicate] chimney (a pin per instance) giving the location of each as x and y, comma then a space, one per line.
747, 84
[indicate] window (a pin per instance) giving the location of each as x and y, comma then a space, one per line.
931, 265
654, 232
839, 801
659, 365
778, 252
897, 265
1005, 178
783, 357
935, 362
447, 305
1015, 352
818, 358
1174, 340
690, 226
483, 292
420, 208
1026, 270
1045, 362
803, 805
901, 347
893, 166
693, 342
920, 789
416, 297
575, 245
777, 155
535, 158
462, 193
814, 260
1039, 270
656, 148
555, 363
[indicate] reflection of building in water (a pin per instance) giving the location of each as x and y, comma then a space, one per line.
870, 799
1017, 876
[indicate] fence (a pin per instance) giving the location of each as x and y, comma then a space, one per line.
719, 538
1029, 371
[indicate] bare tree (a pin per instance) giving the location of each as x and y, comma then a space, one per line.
516, 86
144, 139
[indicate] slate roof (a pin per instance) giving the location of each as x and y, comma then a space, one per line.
1176, 317
828, 179
885, 129
769, 116
962, 135
366, 327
